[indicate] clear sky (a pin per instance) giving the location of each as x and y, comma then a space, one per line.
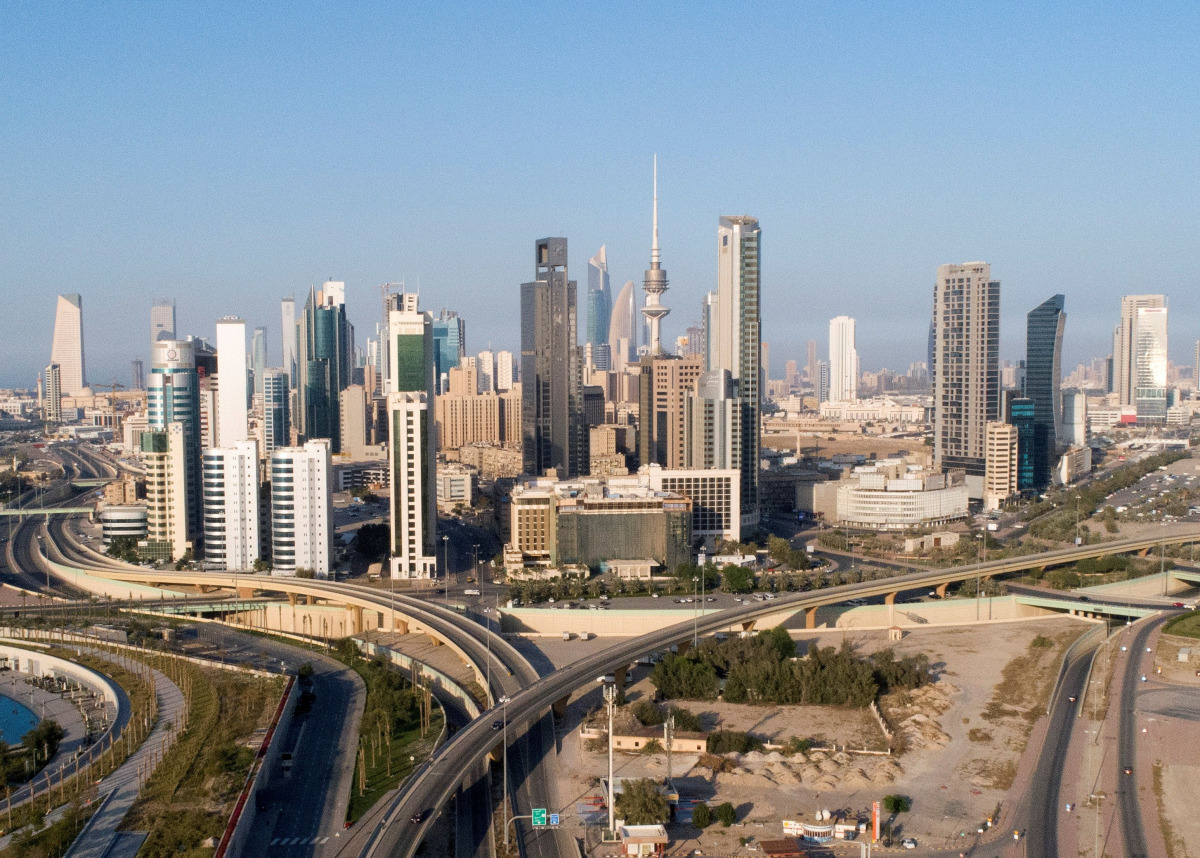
228, 155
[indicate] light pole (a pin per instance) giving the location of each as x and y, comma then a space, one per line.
695, 616
610, 697
475, 562
446, 566
504, 806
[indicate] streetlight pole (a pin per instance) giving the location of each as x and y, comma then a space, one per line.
610, 696
504, 806
695, 616
446, 569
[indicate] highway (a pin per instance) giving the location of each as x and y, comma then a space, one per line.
1128, 805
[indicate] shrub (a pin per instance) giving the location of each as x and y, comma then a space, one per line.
648, 713
685, 720
701, 816
896, 803
652, 747
641, 803
727, 741
716, 763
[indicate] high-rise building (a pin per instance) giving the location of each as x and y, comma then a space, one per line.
230, 480
1019, 413
599, 303
734, 335
712, 423
231, 382
485, 365
1125, 338
173, 396
821, 382
554, 433
52, 396
162, 320
504, 371
67, 348
843, 360
276, 426
1001, 464
287, 339
810, 364
966, 368
412, 442
170, 514
655, 282
1074, 419
302, 509
622, 329
1150, 365
353, 403
258, 358
1043, 383
1196, 367
663, 390
324, 359
449, 346
137, 374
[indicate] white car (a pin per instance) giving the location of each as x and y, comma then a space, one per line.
908, 843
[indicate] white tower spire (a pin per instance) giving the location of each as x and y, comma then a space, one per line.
655, 283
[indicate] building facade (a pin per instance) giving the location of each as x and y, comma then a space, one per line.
325, 349
1001, 481
67, 347
1150, 374
553, 429
276, 425
966, 368
843, 360
165, 456
231, 508
173, 396
232, 390
302, 510
1043, 384
1125, 345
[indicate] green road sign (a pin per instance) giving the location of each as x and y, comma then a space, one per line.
539, 816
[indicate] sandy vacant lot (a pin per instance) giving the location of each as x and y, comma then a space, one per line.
965, 734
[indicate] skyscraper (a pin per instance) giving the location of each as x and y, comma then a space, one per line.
171, 517
599, 303
623, 328
324, 360
1150, 356
302, 509
734, 335
287, 338
966, 368
843, 360
712, 423
1043, 383
52, 397
276, 426
231, 381
137, 374
1125, 346
231, 538
412, 441
449, 346
162, 320
551, 408
485, 363
258, 356
173, 397
67, 349
665, 383
655, 282
810, 363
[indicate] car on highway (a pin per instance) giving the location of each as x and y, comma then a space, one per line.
496, 725
418, 817
1128, 770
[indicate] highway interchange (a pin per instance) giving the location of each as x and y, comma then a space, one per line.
459, 763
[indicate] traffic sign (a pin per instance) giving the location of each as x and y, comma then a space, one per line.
539, 816
554, 819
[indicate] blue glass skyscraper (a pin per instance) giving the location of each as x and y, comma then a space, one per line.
449, 346
1043, 381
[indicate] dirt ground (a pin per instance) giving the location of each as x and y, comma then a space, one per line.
964, 733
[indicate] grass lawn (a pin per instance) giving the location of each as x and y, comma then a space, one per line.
1186, 625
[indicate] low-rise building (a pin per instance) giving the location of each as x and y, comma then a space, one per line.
891, 494
455, 485
123, 520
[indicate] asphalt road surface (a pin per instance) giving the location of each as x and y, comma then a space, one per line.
1128, 806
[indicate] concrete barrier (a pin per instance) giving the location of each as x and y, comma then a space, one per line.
440, 681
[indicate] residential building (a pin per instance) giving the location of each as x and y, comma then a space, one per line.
231, 511
258, 357
663, 391
734, 333
504, 371
1043, 380
712, 424
843, 360
52, 396
287, 339
232, 391
486, 417
355, 423
965, 367
165, 455
810, 364
1001, 464
123, 520
485, 366
551, 373
715, 494
302, 509
137, 374
67, 347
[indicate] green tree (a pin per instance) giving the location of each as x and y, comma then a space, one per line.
641, 803
648, 713
685, 720
737, 579
726, 814
373, 540
896, 803
701, 816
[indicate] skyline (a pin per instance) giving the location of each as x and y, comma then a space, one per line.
215, 159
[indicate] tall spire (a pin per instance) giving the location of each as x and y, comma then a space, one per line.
655, 282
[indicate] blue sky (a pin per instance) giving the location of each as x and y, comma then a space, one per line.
228, 155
